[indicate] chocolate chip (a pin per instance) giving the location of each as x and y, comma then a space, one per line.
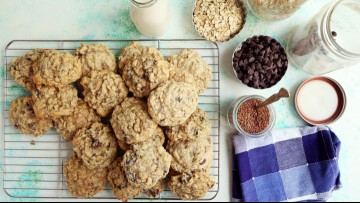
252, 59
17, 126
179, 99
122, 186
187, 179
38, 92
96, 143
236, 66
153, 192
203, 162
334, 34
32, 126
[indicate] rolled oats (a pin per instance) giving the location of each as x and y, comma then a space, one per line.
219, 20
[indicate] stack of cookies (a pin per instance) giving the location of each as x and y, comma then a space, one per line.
115, 116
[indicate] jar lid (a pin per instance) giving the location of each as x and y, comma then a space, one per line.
320, 101
144, 3
343, 26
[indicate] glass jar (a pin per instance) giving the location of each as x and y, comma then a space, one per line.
233, 116
274, 10
151, 17
330, 41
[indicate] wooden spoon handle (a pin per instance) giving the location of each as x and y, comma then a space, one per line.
283, 93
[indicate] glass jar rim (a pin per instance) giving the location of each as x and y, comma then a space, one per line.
328, 33
271, 122
143, 5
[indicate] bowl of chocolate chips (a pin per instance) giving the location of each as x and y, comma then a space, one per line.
260, 62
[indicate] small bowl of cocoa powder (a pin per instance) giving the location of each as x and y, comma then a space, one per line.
249, 120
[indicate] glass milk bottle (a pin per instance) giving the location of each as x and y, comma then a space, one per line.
330, 41
151, 17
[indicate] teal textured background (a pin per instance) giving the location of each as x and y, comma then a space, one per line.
109, 19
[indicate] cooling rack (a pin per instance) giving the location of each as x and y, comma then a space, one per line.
32, 167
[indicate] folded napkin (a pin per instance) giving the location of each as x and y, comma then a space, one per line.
288, 165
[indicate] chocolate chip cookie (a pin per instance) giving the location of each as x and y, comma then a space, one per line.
142, 74
95, 145
96, 57
56, 69
136, 49
191, 155
82, 181
145, 164
197, 126
155, 191
53, 102
172, 103
158, 138
191, 186
190, 61
22, 71
83, 117
132, 122
103, 90
119, 184
23, 117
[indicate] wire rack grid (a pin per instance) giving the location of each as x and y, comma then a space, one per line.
33, 167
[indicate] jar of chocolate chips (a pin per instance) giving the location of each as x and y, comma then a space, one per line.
260, 62
249, 120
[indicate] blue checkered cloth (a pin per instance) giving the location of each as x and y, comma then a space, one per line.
290, 165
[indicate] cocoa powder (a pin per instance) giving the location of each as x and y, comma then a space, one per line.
251, 119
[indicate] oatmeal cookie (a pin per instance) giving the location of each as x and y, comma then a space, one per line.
103, 90
190, 62
53, 102
178, 75
191, 186
96, 146
96, 57
142, 74
172, 103
145, 164
158, 138
156, 190
119, 184
132, 122
191, 155
22, 71
82, 117
22, 116
82, 181
56, 68
136, 49
197, 126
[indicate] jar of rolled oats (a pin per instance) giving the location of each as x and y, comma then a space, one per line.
274, 10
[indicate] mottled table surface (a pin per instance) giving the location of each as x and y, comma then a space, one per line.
109, 19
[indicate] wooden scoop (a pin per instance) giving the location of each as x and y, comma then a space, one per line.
283, 93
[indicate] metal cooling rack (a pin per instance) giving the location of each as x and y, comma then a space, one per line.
33, 166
